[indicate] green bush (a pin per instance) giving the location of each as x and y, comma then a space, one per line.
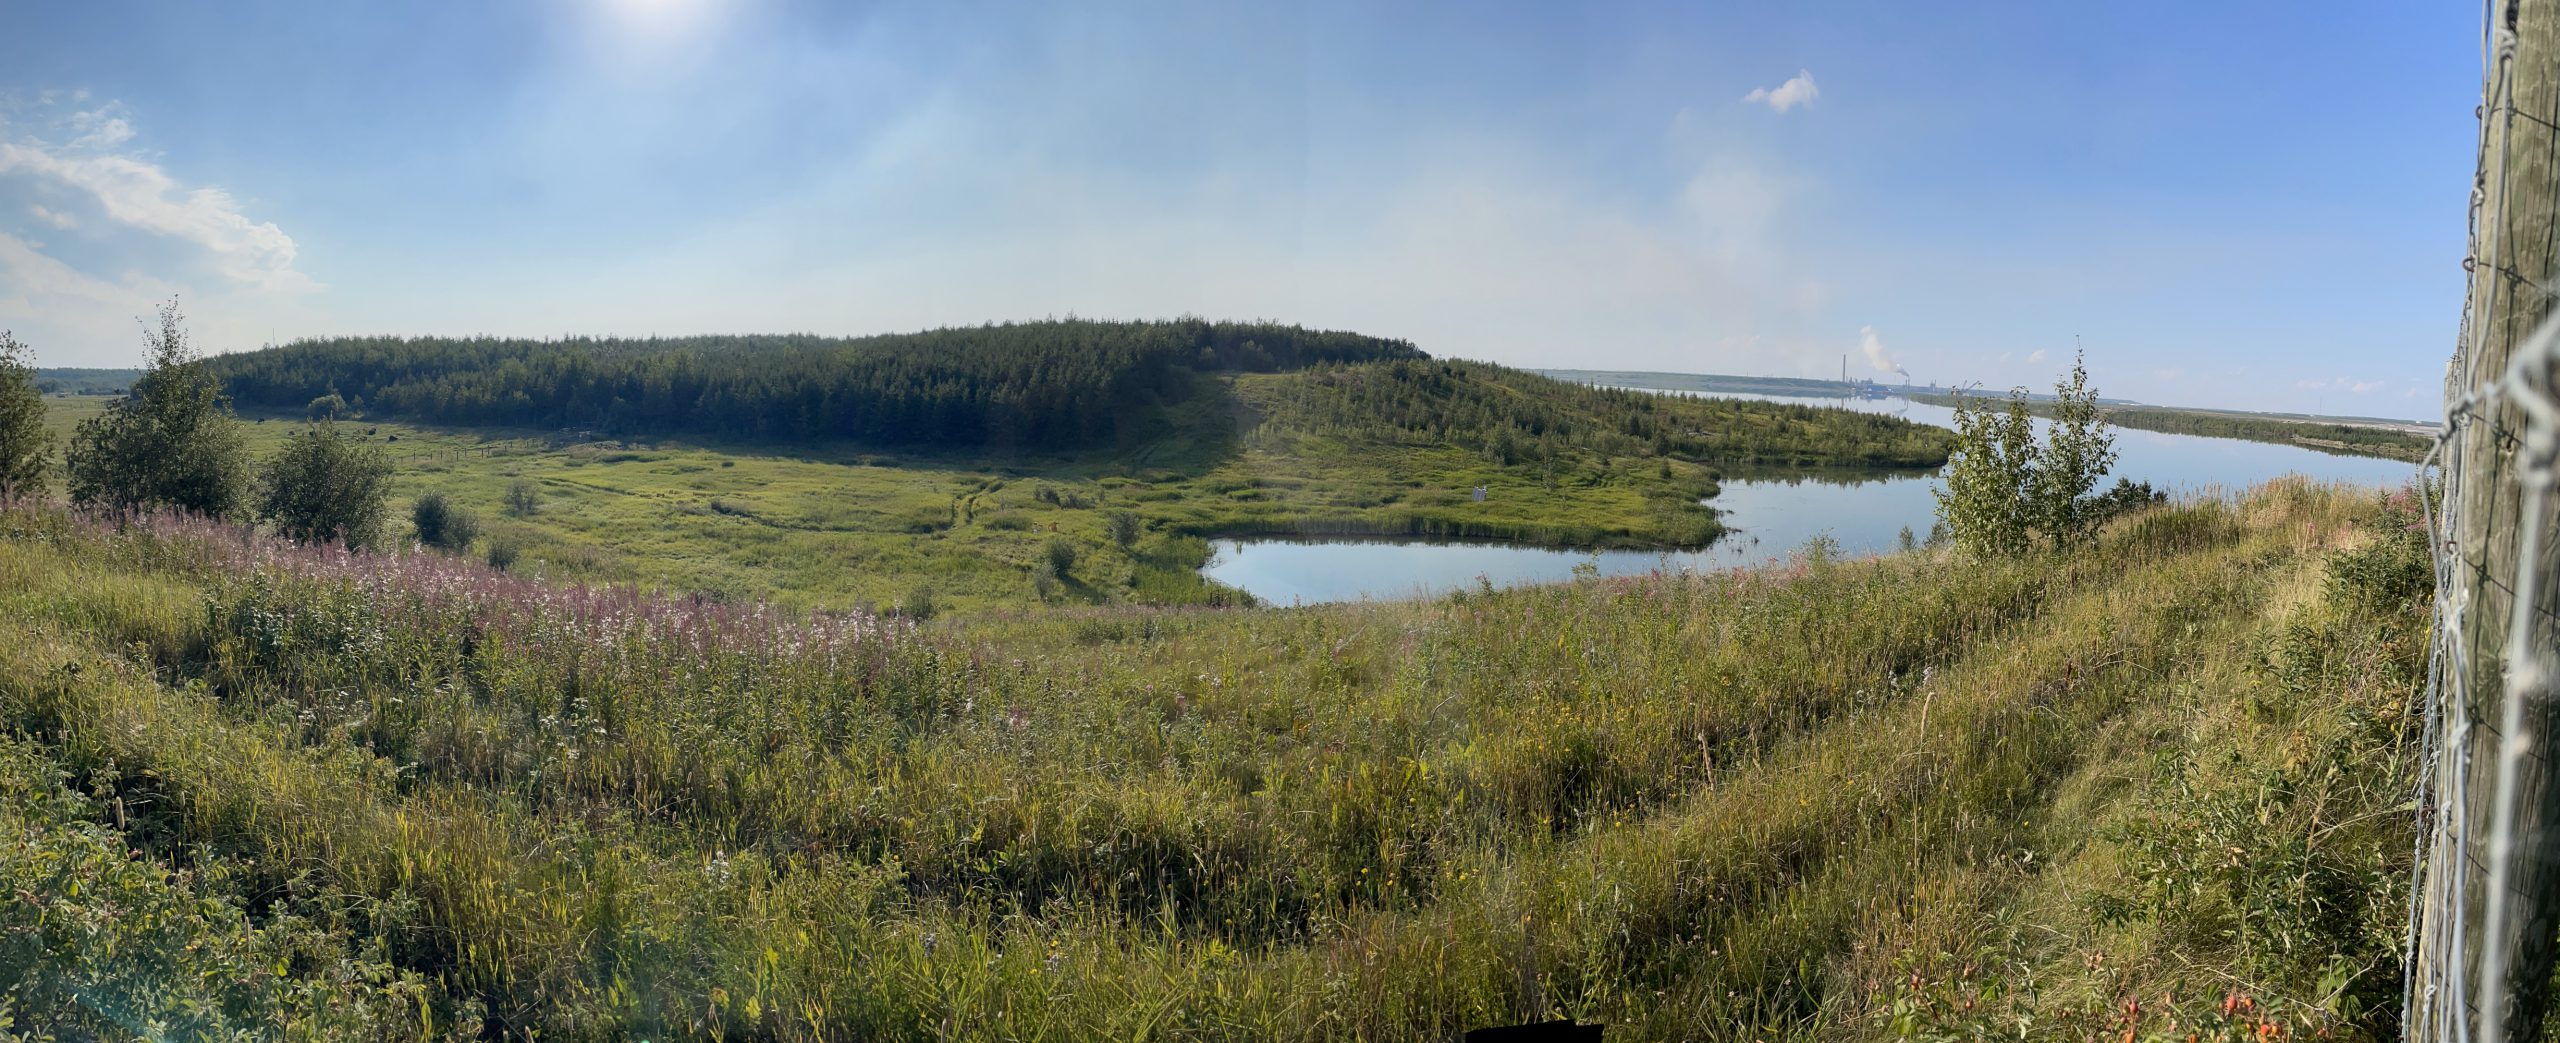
24, 443
524, 499
2003, 491
1125, 528
172, 443
2393, 569
325, 486
442, 525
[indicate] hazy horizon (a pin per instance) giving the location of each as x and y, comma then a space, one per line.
1747, 191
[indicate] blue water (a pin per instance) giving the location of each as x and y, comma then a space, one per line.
1772, 517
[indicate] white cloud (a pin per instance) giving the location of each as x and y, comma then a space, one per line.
100, 129
56, 218
138, 193
2036, 355
1798, 91
32, 274
2346, 384
53, 305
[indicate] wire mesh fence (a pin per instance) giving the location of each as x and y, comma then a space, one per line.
2481, 931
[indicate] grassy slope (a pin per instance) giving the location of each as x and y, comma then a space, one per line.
845, 527
1830, 801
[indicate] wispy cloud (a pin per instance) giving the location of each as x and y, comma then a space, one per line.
40, 295
2346, 384
133, 191
56, 218
1800, 90
2035, 356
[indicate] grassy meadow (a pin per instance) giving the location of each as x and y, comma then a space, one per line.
842, 526
2150, 789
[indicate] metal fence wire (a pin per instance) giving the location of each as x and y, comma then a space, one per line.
2481, 916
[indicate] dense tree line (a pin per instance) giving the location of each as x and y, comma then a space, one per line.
1050, 383
1512, 415
61, 381
2347, 439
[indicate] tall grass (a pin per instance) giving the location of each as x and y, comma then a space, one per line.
1790, 802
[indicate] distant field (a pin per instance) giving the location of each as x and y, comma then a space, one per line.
841, 526
822, 530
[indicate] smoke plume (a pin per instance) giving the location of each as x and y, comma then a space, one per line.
1876, 355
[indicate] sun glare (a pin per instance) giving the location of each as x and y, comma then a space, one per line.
657, 21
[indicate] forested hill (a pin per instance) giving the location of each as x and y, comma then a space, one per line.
1048, 384
1514, 415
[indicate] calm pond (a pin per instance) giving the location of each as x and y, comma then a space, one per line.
1771, 517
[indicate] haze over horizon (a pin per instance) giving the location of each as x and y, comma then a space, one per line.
2247, 209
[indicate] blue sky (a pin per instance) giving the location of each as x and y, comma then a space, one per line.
2251, 205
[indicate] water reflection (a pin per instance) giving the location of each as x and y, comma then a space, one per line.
1772, 512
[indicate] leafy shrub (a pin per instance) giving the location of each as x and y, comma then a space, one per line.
24, 443
2003, 490
172, 443
325, 486
524, 498
1125, 529
1061, 555
503, 553
442, 525
2393, 568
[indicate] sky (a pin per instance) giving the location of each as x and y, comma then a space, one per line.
2240, 205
